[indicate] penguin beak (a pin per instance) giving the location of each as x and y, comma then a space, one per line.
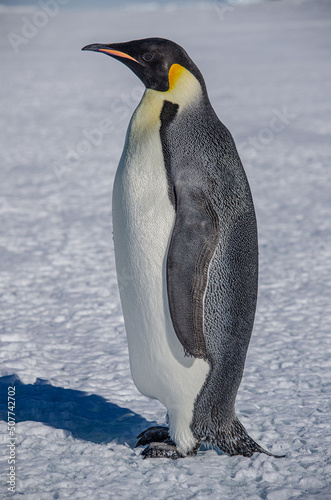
122, 52
107, 49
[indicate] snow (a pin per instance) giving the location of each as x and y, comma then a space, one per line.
63, 345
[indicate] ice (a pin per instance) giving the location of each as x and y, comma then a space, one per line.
63, 345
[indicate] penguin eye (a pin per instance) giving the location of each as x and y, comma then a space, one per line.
148, 57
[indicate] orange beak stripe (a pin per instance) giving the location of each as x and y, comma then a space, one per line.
118, 53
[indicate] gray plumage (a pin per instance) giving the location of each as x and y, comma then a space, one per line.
207, 178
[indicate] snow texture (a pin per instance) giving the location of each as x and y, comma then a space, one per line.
64, 114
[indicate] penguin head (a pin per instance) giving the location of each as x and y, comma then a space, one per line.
156, 61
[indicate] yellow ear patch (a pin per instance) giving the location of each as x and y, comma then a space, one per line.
184, 88
175, 73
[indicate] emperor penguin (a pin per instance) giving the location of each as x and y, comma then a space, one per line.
186, 251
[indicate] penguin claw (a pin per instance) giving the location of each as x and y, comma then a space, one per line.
161, 450
153, 434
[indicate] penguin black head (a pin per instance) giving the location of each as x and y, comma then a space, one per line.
150, 59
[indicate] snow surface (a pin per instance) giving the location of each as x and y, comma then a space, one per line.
63, 345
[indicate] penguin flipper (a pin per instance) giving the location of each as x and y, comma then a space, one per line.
193, 243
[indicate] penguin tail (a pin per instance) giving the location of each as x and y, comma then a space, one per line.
234, 440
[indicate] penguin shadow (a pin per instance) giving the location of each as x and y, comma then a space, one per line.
86, 417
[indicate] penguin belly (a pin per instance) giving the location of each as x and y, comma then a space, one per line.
143, 220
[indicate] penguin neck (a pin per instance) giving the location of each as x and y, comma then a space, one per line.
184, 90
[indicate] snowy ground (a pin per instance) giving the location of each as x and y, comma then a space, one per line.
63, 344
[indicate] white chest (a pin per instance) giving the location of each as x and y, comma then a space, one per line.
143, 219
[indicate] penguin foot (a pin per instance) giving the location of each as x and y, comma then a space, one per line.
235, 441
156, 434
162, 450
